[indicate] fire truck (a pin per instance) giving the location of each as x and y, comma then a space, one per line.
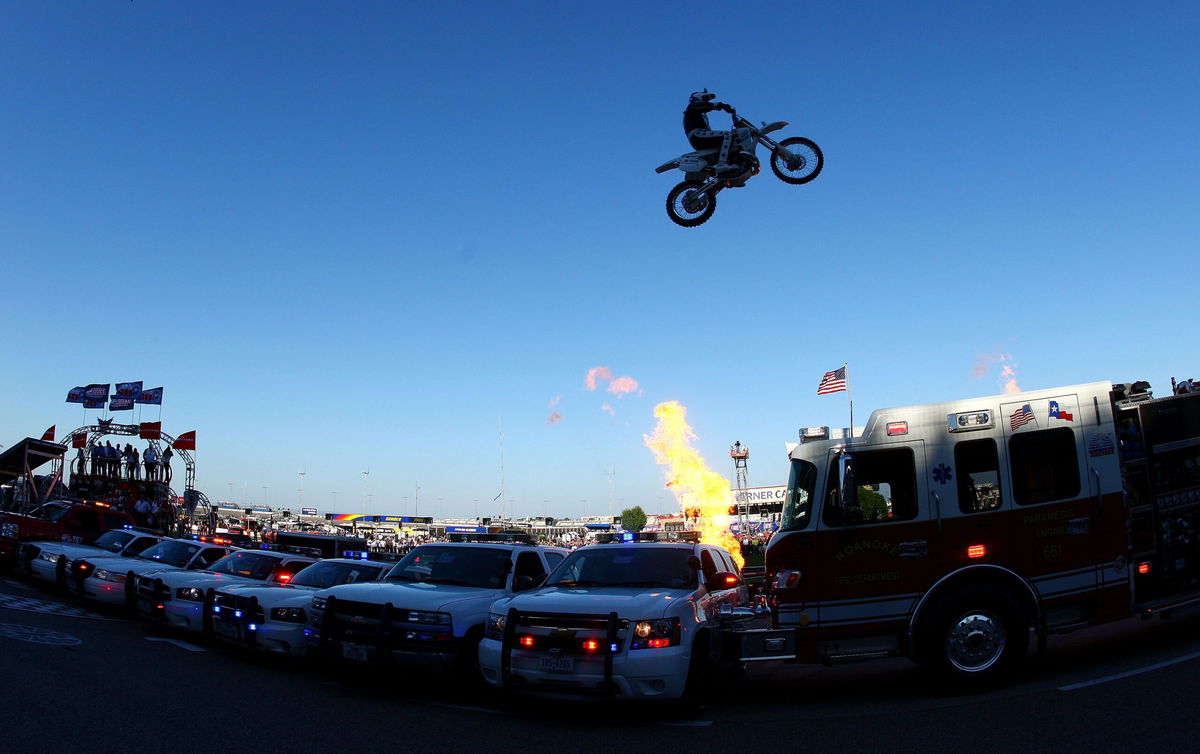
948, 533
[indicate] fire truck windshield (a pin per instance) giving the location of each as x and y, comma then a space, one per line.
801, 483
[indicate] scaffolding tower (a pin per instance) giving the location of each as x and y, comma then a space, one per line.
741, 460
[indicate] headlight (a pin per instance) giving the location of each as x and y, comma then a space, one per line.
190, 593
495, 625
654, 634
289, 614
318, 603
49, 557
434, 619
104, 575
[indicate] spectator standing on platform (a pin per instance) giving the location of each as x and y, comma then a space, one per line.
166, 464
136, 468
127, 460
97, 454
150, 457
142, 511
112, 462
81, 461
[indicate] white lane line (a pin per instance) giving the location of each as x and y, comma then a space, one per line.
178, 643
1128, 673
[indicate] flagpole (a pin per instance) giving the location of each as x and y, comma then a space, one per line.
849, 398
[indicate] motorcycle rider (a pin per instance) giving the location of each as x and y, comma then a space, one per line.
699, 135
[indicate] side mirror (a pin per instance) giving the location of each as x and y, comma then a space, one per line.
724, 580
523, 583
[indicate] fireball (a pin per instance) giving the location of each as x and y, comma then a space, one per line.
688, 477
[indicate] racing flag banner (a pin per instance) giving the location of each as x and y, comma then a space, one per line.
150, 430
152, 396
119, 403
77, 394
48, 435
93, 403
96, 392
129, 390
79, 440
186, 441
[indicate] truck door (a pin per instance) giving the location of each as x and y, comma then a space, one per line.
878, 526
1056, 521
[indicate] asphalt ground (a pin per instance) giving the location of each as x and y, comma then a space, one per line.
79, 678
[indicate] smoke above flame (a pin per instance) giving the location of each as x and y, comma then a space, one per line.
1008, 375
617, 386
687, 476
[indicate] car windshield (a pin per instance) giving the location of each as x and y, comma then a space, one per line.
51, 512
250, 565
323, 575
113, 541
483, 567
634, 565
171, 553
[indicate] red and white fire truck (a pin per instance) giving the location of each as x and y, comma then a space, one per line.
947, 532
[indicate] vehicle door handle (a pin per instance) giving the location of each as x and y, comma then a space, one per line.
917, 548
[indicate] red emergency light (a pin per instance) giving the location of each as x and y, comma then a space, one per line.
976, 551
526, 641
1144, 567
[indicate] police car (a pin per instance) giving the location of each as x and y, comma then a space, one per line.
182, 598
624, 620
56, 562
430, 609
273, 617
110, 579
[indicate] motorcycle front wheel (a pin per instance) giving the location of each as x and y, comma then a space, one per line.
688, 207
805, 163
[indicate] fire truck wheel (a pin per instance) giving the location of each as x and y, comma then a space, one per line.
974, 638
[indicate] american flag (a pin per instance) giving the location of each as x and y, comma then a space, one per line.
833, 382
1021, 417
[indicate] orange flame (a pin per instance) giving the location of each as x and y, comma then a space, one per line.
687, 474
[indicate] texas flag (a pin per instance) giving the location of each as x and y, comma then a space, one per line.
1058, 413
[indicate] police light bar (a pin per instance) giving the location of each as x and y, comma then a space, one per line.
356, 554
808, 434
507, 536
969, 421
626, 536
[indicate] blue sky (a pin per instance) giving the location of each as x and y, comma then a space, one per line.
356, 235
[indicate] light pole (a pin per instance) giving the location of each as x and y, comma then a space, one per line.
334, 493
301, 473
364, 494
265, 503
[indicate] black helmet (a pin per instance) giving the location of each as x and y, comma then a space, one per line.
701, 98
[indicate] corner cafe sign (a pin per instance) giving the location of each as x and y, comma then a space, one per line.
765, 496
760, 495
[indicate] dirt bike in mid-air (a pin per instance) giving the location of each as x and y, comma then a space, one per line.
795, 160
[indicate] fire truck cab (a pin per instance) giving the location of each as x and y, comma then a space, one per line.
945, 532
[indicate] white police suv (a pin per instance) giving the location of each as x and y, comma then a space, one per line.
622, 620
430, 609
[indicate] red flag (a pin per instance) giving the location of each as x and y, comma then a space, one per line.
48, 435
186, 441
79, 441
150, 430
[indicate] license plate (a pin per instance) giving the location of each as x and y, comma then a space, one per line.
226, 629
558, 663
356, 652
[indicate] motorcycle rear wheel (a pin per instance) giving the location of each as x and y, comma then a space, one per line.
809, 164
682, 195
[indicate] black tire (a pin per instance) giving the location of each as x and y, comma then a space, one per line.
680, 215
466, 662
700, 679
974, 639
810, 164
